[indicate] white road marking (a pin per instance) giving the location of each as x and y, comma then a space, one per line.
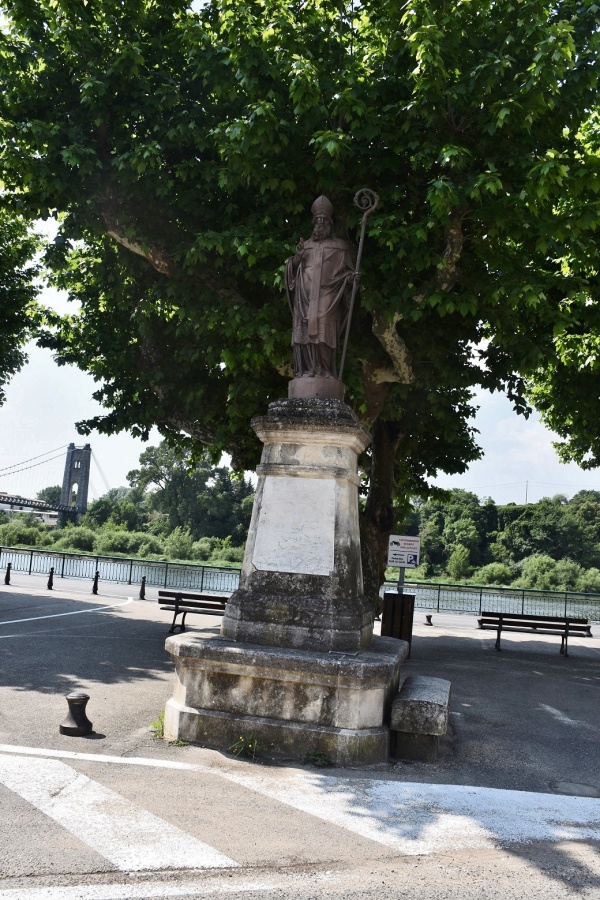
198, 886
135, 891
560, 717
78, 612
431, 818
129, 837
103, 758
411, 818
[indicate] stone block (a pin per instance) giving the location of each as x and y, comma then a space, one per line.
293, 701
420, 747
419, 716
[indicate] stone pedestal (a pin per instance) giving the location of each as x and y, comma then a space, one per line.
291, 701
301, 580
295, 665
316, 387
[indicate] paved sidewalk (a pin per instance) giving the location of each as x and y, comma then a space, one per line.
511, 807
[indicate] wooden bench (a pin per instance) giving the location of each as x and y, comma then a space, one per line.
184, 602
561, 625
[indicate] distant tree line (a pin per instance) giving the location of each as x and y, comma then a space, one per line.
550, 545
175, 507
180, 507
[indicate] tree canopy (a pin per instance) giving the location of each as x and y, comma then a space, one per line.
182, 149
204, 499
50, 494
548, 545
18, 309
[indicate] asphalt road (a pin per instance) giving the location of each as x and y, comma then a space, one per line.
511, 808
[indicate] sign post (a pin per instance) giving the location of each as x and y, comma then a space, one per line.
404, 552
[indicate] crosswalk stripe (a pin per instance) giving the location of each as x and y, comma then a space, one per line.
131, 838
416, 819
411, 818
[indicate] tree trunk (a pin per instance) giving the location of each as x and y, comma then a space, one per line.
377, 520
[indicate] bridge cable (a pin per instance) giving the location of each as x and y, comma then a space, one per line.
15, 465
102, 475
25, 468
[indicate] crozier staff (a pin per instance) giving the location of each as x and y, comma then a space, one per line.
318, 280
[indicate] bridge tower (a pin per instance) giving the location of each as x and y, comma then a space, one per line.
76, 478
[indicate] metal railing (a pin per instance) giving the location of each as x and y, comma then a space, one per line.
435, 596
34, 561
471, 598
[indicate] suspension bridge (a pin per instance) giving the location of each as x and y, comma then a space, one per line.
69, 465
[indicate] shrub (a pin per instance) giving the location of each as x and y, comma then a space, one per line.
76, 539
494, 573
18, 533
150, 546
232, 555
204, 548
179, 544
590, 581
537, 573
127, 542
459, 563
567, 574
542, 573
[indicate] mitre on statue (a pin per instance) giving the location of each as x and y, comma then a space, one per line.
322, 207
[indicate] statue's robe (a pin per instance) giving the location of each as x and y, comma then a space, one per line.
318, 293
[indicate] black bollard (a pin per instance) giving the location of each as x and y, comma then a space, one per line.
95, 584
77, 723
51, 579
7, 576
143, 588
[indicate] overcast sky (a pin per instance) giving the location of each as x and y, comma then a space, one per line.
44, 401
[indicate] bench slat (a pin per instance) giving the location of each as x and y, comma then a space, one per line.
563, 626
184, 602
536, 626
195, 604
530, 616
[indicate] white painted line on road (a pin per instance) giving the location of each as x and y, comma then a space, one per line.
78, 612
191, 887
409, 817
565, 720
129, 837
103, 758
135, 891
431, 818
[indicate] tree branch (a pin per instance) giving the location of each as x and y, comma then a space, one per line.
387, 335
113, 215
158, 259
447, 272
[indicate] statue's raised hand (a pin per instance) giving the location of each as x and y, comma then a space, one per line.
299, 253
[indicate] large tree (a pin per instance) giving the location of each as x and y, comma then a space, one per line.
204, 499
181, 150
18, 309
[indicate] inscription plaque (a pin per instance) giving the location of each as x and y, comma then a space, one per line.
296, 526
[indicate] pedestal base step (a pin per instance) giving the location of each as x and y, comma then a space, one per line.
291, 701
275, 738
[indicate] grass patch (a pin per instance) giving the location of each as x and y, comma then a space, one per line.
245, 746
158, 726
317, 758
